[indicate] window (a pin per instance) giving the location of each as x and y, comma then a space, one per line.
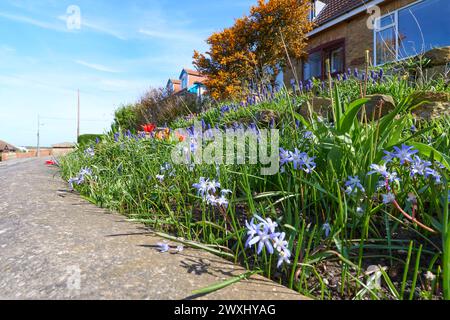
184, 81
316, 8
412, 30
314, 66
337, 60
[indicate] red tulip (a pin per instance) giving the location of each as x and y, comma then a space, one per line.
149, 128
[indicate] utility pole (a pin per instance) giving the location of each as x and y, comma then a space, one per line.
78, 116
38, 150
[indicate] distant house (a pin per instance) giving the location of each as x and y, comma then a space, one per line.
173, 86
391, 29
6, 147
7, 151
190, 82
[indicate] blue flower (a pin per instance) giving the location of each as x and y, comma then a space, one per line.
308, 163
308, 135
225, 192
419, 167
272, 123
163, 247
72, 181
388, 198
252, 230
284, 257
263, 238
380, 169
353, 184
268, 222
90, 152
116, 136
285, 156
392, 177
327, 228
212, 186
279, 242
211, 199
390, 156
264, 235
434, 174
201, 186
222, 202
405, 153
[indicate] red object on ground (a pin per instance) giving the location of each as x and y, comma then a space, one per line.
149, 128
50, 163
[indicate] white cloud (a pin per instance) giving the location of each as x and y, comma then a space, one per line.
97, 67
31, 21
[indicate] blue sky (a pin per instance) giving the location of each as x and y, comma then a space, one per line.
121, 49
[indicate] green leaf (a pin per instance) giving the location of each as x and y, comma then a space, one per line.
349, 117
224, 284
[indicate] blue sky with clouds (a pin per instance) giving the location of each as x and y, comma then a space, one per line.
121, 49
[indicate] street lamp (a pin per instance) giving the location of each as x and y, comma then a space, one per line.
38, 151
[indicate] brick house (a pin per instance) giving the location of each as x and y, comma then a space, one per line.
390, 29
173, 86
6, 150
190, 82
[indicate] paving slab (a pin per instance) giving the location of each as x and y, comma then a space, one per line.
55, 245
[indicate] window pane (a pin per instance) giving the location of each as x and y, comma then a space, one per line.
337, 60
386, 21
423, 26
385, 44
313, 68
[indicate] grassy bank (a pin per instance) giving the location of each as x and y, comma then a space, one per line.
358, 209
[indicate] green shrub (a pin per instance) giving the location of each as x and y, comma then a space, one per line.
86, 139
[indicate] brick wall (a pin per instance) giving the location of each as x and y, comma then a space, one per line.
358, 38
22, 155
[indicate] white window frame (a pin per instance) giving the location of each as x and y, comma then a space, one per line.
377, 29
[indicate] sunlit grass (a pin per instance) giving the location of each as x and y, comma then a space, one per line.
410, 262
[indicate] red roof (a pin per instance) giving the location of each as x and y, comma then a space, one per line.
193, 72
336, 8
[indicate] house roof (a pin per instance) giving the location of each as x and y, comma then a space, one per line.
191, 72
174, 81
336, 8
4, 145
